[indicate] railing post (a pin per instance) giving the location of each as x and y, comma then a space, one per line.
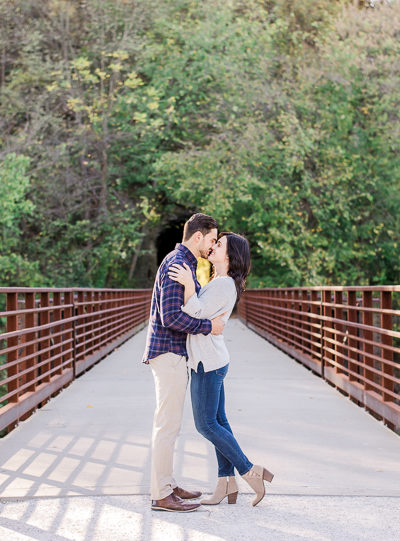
69, 330
262, 302
115, 313
97, 324
291, 318
57, 340
296, 320
12, 356
30, 337
45, 356
367, 335
353, 342
387, 354
339, 334
75, 311
89, 318
305, 329
79, 333
314, 324
284, 304
326, 311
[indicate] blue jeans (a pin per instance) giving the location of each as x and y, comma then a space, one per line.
208, 404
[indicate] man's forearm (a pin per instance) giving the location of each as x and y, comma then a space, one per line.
179, 321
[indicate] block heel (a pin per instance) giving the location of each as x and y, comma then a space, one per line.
232, 497
226, 487
267, 475
255, 477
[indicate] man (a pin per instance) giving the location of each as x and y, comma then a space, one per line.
166, 353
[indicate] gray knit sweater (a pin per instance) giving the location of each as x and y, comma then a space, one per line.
215, 298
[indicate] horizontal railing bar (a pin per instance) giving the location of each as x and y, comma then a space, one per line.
21, 332
66, 290
281, 336
97, 337
36, 290
37, 353
328, 288
362, 308
309, 302
29, 401
108, 310
386, 362
106, 319
358, 338
83, 325
340, 344
286, 338
362, 326
361, 365
316, 325
30, 383
286, 317
37, 340
35, 310
106, 301
287, 325
380, 330
58, 322
344, 307
311, 333
38, 365
371, 383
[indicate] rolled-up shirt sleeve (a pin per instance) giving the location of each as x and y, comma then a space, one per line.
171, 299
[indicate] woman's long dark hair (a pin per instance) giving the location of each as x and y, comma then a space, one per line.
238, 251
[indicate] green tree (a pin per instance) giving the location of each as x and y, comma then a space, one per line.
14, 209
277, 117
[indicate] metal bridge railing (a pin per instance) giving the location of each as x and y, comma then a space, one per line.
50, 336
348, 335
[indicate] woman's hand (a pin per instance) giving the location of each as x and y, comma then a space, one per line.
180, 274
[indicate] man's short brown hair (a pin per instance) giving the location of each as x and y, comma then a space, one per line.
198, 222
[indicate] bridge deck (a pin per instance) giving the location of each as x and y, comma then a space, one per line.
79, 468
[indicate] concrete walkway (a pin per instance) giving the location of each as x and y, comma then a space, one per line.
79, 468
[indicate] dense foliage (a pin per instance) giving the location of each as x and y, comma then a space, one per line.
279, 118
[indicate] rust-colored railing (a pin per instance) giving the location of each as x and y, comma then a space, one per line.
50, 336
348, 335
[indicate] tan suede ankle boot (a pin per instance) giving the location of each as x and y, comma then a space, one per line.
255, 478
226, 486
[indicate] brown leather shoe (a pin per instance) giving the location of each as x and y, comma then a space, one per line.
173, 503
185, 494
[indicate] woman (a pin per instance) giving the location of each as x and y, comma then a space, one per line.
209, 361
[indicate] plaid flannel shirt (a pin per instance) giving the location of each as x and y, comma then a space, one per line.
169, 326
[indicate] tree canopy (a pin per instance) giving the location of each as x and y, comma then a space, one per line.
279, 118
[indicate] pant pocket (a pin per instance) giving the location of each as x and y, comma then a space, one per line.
222, 371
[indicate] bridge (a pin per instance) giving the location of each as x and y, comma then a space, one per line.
313, 392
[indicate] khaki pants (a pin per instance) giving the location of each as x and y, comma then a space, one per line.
170, 378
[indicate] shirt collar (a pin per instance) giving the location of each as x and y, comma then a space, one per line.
188, 254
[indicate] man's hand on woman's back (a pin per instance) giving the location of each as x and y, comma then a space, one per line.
217, 325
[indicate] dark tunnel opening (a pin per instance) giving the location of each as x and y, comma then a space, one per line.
169, 237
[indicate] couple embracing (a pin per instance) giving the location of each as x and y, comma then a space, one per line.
185, 337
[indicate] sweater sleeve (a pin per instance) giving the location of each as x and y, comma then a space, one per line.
212, 301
